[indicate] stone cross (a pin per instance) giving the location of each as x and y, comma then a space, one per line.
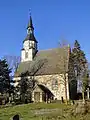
87, 93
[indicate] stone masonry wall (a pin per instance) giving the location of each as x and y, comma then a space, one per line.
47, 80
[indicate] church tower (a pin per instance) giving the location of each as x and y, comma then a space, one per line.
29, 44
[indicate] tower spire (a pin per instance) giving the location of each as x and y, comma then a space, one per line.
30, 24
29, 44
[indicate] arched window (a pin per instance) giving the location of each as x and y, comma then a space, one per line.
54, 84
26, 55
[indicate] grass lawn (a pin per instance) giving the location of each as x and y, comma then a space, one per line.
40, 111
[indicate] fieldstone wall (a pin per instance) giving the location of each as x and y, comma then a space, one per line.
47, 80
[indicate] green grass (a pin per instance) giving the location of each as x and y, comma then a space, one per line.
27, 112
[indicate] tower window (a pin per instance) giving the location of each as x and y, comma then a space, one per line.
28, 31
26, 55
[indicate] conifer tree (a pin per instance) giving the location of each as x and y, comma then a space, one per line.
26, 86
80, 69
72, 79
4, 77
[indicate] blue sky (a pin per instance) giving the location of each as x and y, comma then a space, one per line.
54, 21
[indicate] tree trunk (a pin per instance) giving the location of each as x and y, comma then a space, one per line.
83, 97
23, 97
66, 90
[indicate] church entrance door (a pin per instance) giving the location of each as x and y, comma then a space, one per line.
37, 96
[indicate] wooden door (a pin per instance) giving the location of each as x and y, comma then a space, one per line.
37, 96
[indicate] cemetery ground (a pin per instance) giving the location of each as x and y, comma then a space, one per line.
42, 111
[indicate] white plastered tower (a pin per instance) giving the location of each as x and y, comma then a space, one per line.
29, 44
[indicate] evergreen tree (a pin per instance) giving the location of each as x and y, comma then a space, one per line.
25, 87
79, 62
72, 78
79, 59
4, 77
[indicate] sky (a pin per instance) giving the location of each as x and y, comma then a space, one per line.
53, 20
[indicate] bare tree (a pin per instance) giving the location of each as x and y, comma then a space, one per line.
65, 76
64, 71
13, 62
62, 43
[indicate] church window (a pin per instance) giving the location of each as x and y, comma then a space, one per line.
31, 44
26, 55
54, 84
28, 31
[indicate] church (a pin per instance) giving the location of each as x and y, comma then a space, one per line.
48, 67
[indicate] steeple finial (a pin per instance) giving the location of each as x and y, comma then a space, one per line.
30, 12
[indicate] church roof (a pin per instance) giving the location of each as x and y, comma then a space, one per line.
53, 61
30, 37
30, 24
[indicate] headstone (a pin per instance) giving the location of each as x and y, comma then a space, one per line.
3, 102
16, 117
81, 108
62, 100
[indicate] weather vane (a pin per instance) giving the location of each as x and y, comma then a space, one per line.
30, 12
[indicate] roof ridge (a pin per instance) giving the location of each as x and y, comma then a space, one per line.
54, 48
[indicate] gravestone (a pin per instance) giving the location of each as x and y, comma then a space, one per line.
16, 117
81, 108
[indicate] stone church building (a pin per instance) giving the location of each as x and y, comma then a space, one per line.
48, 67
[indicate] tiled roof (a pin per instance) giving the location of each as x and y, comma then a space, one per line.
53, 61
